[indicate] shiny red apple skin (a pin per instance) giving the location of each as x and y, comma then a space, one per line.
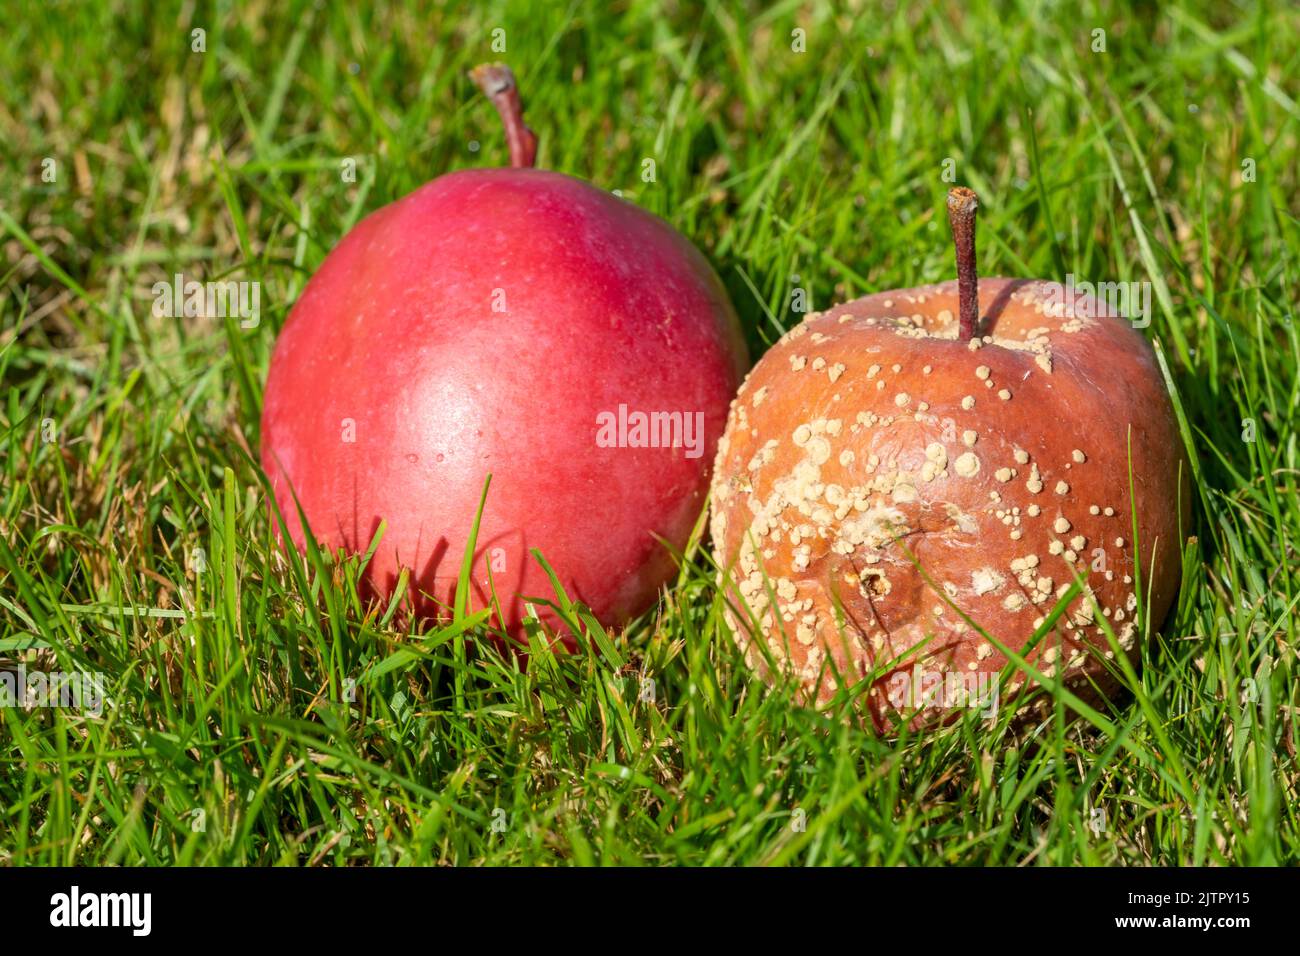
396, 345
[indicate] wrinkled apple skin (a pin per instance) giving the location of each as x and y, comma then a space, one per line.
480, 325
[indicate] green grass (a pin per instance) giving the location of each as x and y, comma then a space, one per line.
230, 738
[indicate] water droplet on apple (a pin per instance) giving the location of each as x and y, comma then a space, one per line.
473, 146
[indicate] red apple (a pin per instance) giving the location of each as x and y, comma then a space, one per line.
904, 467
517, 323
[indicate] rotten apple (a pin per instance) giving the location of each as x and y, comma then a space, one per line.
905, 469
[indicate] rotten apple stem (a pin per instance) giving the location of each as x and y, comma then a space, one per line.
498, 83
962, 206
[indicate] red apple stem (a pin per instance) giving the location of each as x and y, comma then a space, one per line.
963, 203
498, 83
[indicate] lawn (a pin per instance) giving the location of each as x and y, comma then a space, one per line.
258, 713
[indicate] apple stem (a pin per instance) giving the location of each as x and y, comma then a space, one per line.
962, 206
498, 83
